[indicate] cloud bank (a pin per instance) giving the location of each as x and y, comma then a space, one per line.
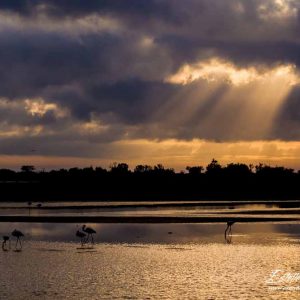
79, 78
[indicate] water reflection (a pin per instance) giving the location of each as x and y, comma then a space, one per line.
250, 233
243, 211
149, 261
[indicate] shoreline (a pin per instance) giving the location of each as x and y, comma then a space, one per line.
158, 204
141, 220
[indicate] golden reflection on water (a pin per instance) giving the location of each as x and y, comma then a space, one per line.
150, 261
147, 271
251, 233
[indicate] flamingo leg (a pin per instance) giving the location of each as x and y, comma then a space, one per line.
228, 240
20, 244
226, 232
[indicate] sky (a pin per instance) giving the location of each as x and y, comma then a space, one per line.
149, 81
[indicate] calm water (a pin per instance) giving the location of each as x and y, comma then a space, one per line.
153, 208
150, 261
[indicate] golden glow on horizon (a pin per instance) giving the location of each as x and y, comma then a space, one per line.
172, 153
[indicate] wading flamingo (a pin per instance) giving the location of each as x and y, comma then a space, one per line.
81, 235
228, 234
18, 234
5, 239
90, 232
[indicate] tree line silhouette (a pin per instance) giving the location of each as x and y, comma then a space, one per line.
145, 182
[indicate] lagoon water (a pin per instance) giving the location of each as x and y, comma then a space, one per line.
151, 261
155, 208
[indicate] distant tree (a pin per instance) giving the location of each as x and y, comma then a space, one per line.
74, 171
100, 170
266, 170
237, 169
251, 168
260, 167
142, 169
88, 171
119, 168
214, 167
27, 169
160, 169
196, 170
6, 174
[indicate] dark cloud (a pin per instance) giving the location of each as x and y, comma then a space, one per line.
107, 61
75, 8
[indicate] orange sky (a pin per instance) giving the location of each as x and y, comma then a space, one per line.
172, 153
171, 82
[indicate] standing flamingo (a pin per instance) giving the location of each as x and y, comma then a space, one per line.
5, 239
228, 234
18, 234
81, 235
90, 232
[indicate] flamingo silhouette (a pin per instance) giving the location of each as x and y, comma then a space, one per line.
90, 232
5, 239
228, 233
81, 235
18, 234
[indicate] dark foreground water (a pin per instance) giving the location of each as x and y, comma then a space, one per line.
153, 261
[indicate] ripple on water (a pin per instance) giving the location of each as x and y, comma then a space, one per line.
115, 271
